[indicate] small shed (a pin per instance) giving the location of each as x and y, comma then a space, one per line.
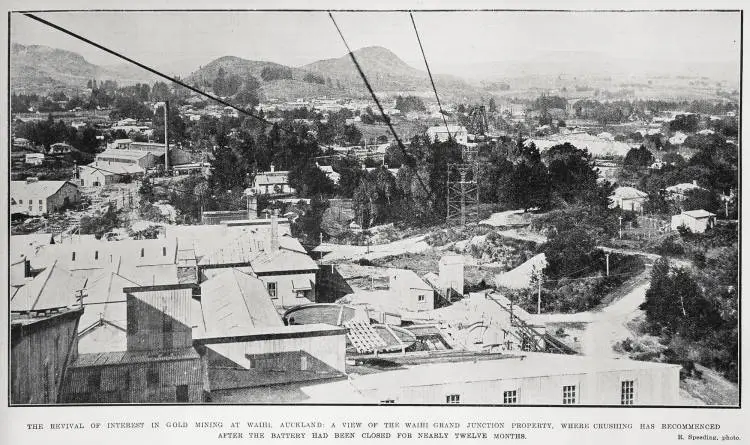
697, 221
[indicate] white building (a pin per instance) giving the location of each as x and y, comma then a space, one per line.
34, 158
272, 183
34, 197
442, 134
98, 174
628, 198
529, 379
697, 221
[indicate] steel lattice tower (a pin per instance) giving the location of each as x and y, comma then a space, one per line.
463, 189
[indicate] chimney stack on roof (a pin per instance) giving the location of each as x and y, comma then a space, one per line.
273, 168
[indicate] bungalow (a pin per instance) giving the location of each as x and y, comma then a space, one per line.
272, 183
628, 198
34, 158
442, 134
35, 197
59, 148
697, 221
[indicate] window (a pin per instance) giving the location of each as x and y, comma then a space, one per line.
152, 377
94, 381
181, 393
510, 397
125, 381
96, 254
163, 251
272, 289
142, 252
420, 298
387, 402
73, 258
452, 399
20, 201
303, 363
569, 395
627, 393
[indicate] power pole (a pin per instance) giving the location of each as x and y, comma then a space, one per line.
620, 218
539, 294
166, 137
607, 256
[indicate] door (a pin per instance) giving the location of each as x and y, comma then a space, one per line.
182, 393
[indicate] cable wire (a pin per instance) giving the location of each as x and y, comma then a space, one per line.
386, 119
432, 81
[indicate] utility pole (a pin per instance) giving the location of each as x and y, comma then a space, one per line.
539, 294
620, 218
607, 256
166, 137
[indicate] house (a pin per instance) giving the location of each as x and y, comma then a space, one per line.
120, 144
34, 197
678, 138
272, 183
98, 174
42, 345
143, 159
59, 148
443, 134
34, 158
330, 173
628, 198
697, 221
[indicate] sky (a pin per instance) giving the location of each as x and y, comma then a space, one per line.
181, 41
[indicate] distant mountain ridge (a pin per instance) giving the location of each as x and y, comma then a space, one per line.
385, 71
39, 69
42, 69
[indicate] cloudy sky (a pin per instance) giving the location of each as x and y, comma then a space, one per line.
179, 42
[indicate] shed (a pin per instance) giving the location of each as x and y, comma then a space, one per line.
697, 221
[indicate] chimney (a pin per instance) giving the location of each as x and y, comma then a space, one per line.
695, 182
26, 268
273, 168
274, 231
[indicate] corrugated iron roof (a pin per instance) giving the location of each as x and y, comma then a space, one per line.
120, 357
37, 189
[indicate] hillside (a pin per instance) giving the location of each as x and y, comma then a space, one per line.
41, 69
386, 72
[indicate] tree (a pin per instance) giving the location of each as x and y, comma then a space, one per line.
309, 180
569, 252
352, 135
146, 190
351, 174
638, 158
572, 174
492, 105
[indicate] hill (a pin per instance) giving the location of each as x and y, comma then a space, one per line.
333, 77
42, 69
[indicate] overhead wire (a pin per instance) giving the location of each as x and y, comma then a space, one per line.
386, 119
172, 79
429, 72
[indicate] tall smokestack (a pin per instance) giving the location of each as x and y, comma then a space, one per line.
274, 231
166, 136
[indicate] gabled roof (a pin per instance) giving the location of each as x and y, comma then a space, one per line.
37, 189
698, 214
628, 193
54, 287
116, 168
234, 303
123, 154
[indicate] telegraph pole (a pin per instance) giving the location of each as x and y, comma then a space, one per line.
539, 294
620, 218
607, 256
